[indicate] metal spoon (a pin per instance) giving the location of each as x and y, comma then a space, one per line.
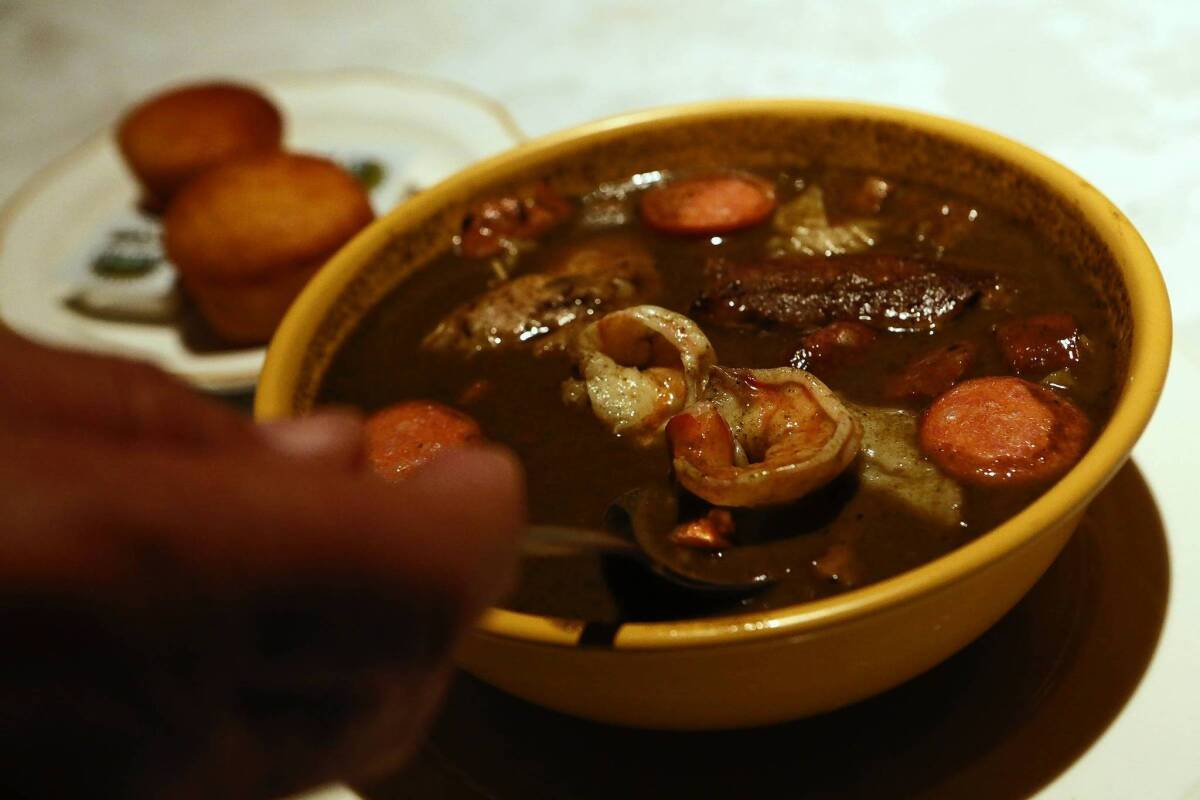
632, 522
549, 541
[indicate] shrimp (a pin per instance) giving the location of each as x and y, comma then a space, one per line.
762, 437
640, 366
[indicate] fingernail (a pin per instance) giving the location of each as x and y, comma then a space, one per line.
321, 435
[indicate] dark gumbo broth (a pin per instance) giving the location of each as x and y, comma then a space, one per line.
576, 467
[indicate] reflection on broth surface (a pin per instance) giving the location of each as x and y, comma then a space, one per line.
916, 284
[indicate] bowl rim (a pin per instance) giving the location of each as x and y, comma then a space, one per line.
1149, 357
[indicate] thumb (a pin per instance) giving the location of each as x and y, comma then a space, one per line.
112, 398
469, 506
333, 438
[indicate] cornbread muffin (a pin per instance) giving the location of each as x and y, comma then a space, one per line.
174, 136
246, 236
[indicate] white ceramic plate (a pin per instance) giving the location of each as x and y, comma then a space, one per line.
419, 130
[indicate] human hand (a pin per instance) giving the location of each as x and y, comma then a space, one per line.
193, 606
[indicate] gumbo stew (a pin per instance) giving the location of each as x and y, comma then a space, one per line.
837, 375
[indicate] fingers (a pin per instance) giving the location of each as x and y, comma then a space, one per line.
449, 532
130, 401
251, 593
95, 513
299, 613
333, 438
48, 388
473, 503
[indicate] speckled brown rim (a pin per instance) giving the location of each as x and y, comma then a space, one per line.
1149, 356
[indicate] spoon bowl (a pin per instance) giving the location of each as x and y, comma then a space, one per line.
550, 541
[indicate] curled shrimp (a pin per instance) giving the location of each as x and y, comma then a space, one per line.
640, 366
762, 437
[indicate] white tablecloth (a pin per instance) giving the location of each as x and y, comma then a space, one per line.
1111, 89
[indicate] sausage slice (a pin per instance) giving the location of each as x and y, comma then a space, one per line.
1041, 344
933, 373
833, 346
402, 437
522, 216
1003, 431
710, 532
709, 204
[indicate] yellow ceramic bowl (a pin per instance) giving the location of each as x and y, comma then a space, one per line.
804, 659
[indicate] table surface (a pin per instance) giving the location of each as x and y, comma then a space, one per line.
1109, 88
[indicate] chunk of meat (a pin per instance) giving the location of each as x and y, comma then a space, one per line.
710, 532
404, 436
933, 373
1003, 430
886, 292
708, 204
1041, 344
521, 216
589, 281
832, 347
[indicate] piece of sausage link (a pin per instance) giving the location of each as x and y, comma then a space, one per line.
708, 204
998, 431
407, 435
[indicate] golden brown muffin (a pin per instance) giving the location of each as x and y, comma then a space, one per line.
174, 136
247, 235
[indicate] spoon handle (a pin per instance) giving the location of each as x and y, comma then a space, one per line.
559, 540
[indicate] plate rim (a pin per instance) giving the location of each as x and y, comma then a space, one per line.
241, 378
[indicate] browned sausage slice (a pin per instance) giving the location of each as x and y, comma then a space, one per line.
1041, 344
522, 216
933, 373
708, 204
407, 435
1002, 430
827, 349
